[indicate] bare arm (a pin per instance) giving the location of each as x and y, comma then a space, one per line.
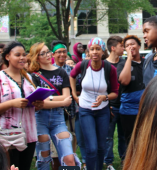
125, 75
65, 93
73, 87
19, 103
63, 100
112, 96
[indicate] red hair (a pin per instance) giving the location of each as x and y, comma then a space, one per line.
33, 56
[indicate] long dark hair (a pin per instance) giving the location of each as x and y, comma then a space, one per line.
141, 152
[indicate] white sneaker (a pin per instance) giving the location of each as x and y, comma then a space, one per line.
110, 167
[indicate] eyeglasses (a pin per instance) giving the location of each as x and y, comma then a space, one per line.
60, 52
44, 54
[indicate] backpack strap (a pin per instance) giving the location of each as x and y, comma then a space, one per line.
107, 70
39, 74
84, 65
76, 57
147, 61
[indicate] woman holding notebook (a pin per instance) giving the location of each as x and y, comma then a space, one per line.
15, 86
50, 120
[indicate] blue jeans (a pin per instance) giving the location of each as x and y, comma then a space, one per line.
51, 122
80, 138
109, 157
94, 124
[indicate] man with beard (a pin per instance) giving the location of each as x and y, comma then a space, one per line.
150, 36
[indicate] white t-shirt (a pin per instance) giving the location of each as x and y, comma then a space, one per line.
92, 88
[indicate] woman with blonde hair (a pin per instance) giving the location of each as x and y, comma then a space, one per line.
141, 152
50, 120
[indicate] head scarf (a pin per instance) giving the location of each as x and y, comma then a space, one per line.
58, 46
97, 41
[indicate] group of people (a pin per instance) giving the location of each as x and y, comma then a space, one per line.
92, 96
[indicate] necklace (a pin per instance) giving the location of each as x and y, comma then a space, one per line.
96, 92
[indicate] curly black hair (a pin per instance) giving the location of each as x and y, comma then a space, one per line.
8, 48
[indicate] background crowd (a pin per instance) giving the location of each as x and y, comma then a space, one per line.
92, 97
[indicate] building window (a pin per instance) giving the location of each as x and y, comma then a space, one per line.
154, 3
14, 26
117, 22
87, 22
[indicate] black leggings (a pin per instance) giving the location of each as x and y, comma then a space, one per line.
23, 159
128, 122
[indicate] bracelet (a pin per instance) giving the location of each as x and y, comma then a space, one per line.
106, 98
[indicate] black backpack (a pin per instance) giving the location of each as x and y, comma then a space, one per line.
107, 70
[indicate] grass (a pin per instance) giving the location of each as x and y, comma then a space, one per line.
116, 163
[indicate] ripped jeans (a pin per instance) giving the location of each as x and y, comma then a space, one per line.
51, 122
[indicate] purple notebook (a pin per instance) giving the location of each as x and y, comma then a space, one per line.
39, 94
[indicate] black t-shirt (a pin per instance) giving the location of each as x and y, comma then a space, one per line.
116, 102
58, 78
136, 82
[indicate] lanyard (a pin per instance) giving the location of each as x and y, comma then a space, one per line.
96, 92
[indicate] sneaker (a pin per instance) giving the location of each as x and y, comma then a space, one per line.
110, 167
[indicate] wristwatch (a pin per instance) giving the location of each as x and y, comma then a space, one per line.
107, 98
51, 98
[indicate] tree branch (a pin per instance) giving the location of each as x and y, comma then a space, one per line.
59, 23
48, 18
67, 12
77, 7
51, 3
85, 26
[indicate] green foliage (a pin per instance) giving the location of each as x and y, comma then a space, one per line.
36, 29
13, 7
116, 9
120, 9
